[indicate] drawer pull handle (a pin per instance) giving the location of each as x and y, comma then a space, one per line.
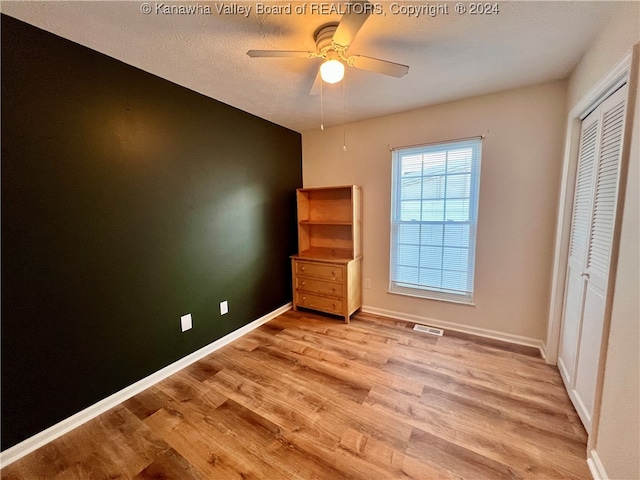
333, 288
302, 268
333, 272
304, 283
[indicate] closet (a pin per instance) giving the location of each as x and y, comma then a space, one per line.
590, 251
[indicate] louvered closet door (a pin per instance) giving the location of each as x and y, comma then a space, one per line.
578, 246
588, 266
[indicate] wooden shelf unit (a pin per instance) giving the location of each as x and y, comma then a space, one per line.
327, 271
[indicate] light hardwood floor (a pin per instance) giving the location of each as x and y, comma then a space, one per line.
308, 397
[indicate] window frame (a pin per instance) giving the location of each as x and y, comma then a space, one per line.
422, 290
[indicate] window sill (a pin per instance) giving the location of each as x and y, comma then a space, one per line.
438, 299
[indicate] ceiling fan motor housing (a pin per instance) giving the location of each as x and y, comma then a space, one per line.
324, 37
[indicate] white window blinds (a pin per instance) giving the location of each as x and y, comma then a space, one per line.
433, 219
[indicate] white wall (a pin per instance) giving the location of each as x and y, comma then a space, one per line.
616, 39
519, 185
618, 432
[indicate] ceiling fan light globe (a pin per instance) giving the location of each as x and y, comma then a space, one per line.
332, 71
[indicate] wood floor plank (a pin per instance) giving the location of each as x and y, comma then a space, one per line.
184, 389
521, 374
380, 453
265, 439
334, 407
486, 357
476, 436
553, 396
328, 329
314, 378
114, 445
546, 432
198, 446
284, 410
339, 367
146, 403
362, 351
552, 417
47, 461
169, 466
245, 439
201, 370
306, 397
456, 459
299, 424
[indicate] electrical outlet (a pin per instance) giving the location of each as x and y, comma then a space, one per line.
186, 322
224, 308
367, 283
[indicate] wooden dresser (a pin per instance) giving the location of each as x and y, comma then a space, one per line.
327, 271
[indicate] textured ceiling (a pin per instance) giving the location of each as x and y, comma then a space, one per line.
451, 56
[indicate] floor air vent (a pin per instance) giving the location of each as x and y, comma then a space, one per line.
430, 330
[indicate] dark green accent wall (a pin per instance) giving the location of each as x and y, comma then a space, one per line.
127, 201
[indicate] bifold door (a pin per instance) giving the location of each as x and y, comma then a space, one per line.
592, 226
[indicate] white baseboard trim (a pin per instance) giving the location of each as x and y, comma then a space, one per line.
458, 327
33, 443
543, 351
595, 466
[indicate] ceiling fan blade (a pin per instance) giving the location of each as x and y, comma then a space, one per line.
379, 66
351, 23
279, 53
317, 85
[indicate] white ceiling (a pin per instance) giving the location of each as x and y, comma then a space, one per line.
450, 56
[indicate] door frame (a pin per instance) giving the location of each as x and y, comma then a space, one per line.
624, 72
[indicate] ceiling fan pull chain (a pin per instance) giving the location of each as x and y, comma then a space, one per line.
344, 114
321, 106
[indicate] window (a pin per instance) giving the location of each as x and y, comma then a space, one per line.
434, 209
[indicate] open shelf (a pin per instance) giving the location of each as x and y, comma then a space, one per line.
330, 219
341, 255
324, 222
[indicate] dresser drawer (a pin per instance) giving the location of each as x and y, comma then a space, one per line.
319, 270
330, 305
319, 286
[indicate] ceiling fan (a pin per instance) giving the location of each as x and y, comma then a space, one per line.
332, 43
